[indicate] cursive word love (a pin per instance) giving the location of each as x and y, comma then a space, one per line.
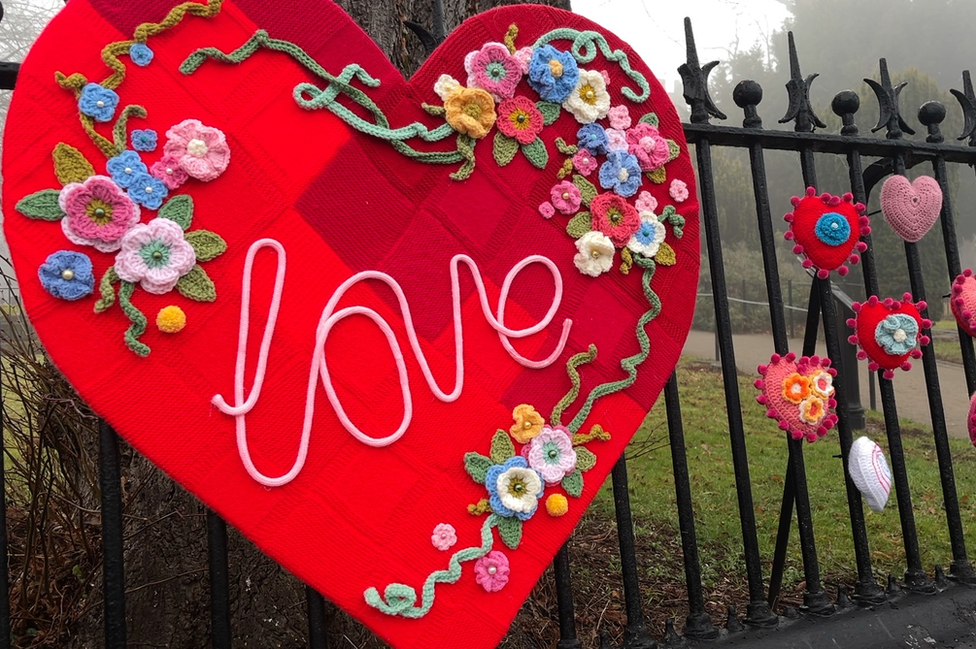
319, 368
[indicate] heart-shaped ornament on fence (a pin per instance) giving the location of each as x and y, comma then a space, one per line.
328, 301
962, 301
799, 394
911, 208
889, 332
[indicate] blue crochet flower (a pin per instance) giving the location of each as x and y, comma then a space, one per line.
593, 138
140, 54
147, 190
832, 229
514, 488
125, 167
552, 73
67, 275
144, 140
621, 173
897, 334
98, 102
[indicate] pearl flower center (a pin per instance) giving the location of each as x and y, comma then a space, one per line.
197, 148
67, 274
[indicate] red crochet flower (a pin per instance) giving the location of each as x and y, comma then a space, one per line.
614, 217
519, 118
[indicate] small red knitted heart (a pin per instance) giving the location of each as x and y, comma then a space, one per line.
911, 208
799, 394
889, 332
826, 229
963, 301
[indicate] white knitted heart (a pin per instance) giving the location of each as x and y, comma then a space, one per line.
870, 473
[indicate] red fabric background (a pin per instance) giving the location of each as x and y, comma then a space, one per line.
341, 202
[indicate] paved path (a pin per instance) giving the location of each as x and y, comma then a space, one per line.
910, 396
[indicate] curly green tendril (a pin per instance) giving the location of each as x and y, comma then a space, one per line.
584, 48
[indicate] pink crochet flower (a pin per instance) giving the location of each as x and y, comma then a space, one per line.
584, 162
547, 210
519, 118
614, 217
201, 151
648, 146
156, 255
491, 571
678, 190
444, 536
566, 197
494, 69
168, 170
619, 117
616, 140
97, 213
551, 453
645, 202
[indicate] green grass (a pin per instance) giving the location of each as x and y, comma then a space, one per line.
713, 488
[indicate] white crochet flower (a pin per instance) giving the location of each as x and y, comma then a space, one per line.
445, 86
649, 235
590, 100
519, 489
595, 254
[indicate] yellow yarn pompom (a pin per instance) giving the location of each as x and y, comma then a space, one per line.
557, 505
171, 319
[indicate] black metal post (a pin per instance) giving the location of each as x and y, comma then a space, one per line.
564, 601
317, 628
219, 582
113, 563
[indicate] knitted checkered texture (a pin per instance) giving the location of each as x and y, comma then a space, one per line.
341, 202
911, 208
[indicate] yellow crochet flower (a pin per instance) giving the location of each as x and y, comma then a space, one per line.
796, 387
812, 410
528, 423
470, 111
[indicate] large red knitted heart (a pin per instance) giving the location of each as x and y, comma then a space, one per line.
293, 248
826, 230
889, 332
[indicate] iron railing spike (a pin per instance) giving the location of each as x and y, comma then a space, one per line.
800, 111
967, 99
694, 81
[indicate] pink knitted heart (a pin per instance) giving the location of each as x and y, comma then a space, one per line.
971, 422
799, 394
963, 301
911, 208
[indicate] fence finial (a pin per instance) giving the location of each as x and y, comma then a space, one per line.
799, 92
890, 116
694, 79
967, 99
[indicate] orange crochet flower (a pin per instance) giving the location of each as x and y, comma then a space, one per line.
470, 111
796, 387
528, 423
812, 410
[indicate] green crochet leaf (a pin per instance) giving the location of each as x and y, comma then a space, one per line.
549, 110
585, 459
665, 255
673, 150
107, 290
501, 447
658, 176
566, 149
70, 164
510, 531
535, 152
477, 466
573, 484
504, 148
437, 111
650, 118
677, 221
206, 244
178, 209
197, 285
41, 205
587, 189
579, 225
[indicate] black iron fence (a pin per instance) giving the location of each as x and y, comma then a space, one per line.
895, 154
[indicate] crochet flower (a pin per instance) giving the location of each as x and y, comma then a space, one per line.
528, 423
470, 111
97, 213
595, 254
140, 54
148, 191
125, 167
678, 190
566, 197
648, 146
144, 140
649, 236
67, 275
553, 73
897, 334
621, 173
796, 387
593, 138
156, 255
445, 86
524, 57
812, 410
551, 454
616, 140
832, 229
584, 162
201, 151
589, 100
514, 488
491, 571
822, 384
645, 202
619, 117
98, 102
168, 170
547, 210
494, 69
520, 119
614, 217
444, 536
